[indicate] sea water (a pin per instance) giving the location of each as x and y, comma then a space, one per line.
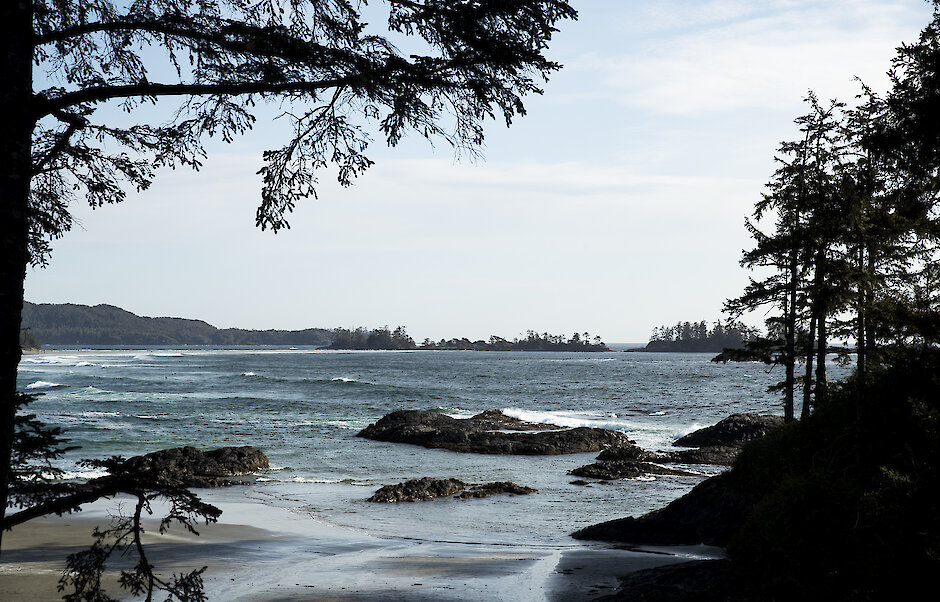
304, 407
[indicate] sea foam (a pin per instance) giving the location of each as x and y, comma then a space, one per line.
43, 384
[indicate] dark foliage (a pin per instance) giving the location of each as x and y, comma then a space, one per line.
848, 499
33, 475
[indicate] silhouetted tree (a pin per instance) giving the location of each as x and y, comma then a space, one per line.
333, 78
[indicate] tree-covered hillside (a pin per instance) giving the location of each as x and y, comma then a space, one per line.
70, 324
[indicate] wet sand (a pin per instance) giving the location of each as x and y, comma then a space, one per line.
260, 553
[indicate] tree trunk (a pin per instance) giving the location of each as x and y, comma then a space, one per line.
15, 165
808, 376
822, 384
861, 344
789, 354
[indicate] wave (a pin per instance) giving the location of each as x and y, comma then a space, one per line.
88, 473
48, 359
570, 419
454, 412
302, 480
345, 379
43, 384
95, 390
251, 374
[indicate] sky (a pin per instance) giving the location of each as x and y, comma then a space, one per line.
615, 205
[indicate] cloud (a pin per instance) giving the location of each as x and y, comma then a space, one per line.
725, 56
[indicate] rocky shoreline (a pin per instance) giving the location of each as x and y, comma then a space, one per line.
709, 514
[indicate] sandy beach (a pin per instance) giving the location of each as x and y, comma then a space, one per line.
259, 552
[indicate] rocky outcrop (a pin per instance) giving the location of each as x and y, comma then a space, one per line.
721, 443
496, 488
627, 453
708, 514
418, 490
734, 431
489, 433
626, 462
719, 455
712, 511
625, 469
190, 467
425, 489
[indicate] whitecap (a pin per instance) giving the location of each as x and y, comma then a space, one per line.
89, 473
456, 412
251, 374
48, 359
344, 379
166, 354
569, 419
43, 384
297, 480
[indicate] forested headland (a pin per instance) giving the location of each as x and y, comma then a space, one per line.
697, 337
71, 324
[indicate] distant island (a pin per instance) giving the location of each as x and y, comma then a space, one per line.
697, 337
103, 325
533, 341
383, 338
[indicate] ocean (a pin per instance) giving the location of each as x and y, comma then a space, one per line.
303, 408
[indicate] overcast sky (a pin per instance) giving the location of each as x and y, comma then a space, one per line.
615, 205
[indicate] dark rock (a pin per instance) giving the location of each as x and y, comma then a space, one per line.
720, 455
708, 514
735, 430
425, 489
485, 434
418, 490
624, 469
496, 488
190, 467
580, 482
627, 453
695, 581
495, 420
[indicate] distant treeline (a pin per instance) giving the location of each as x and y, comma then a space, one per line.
532, 342
380, 338
70, 324
698, 337
383, 338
